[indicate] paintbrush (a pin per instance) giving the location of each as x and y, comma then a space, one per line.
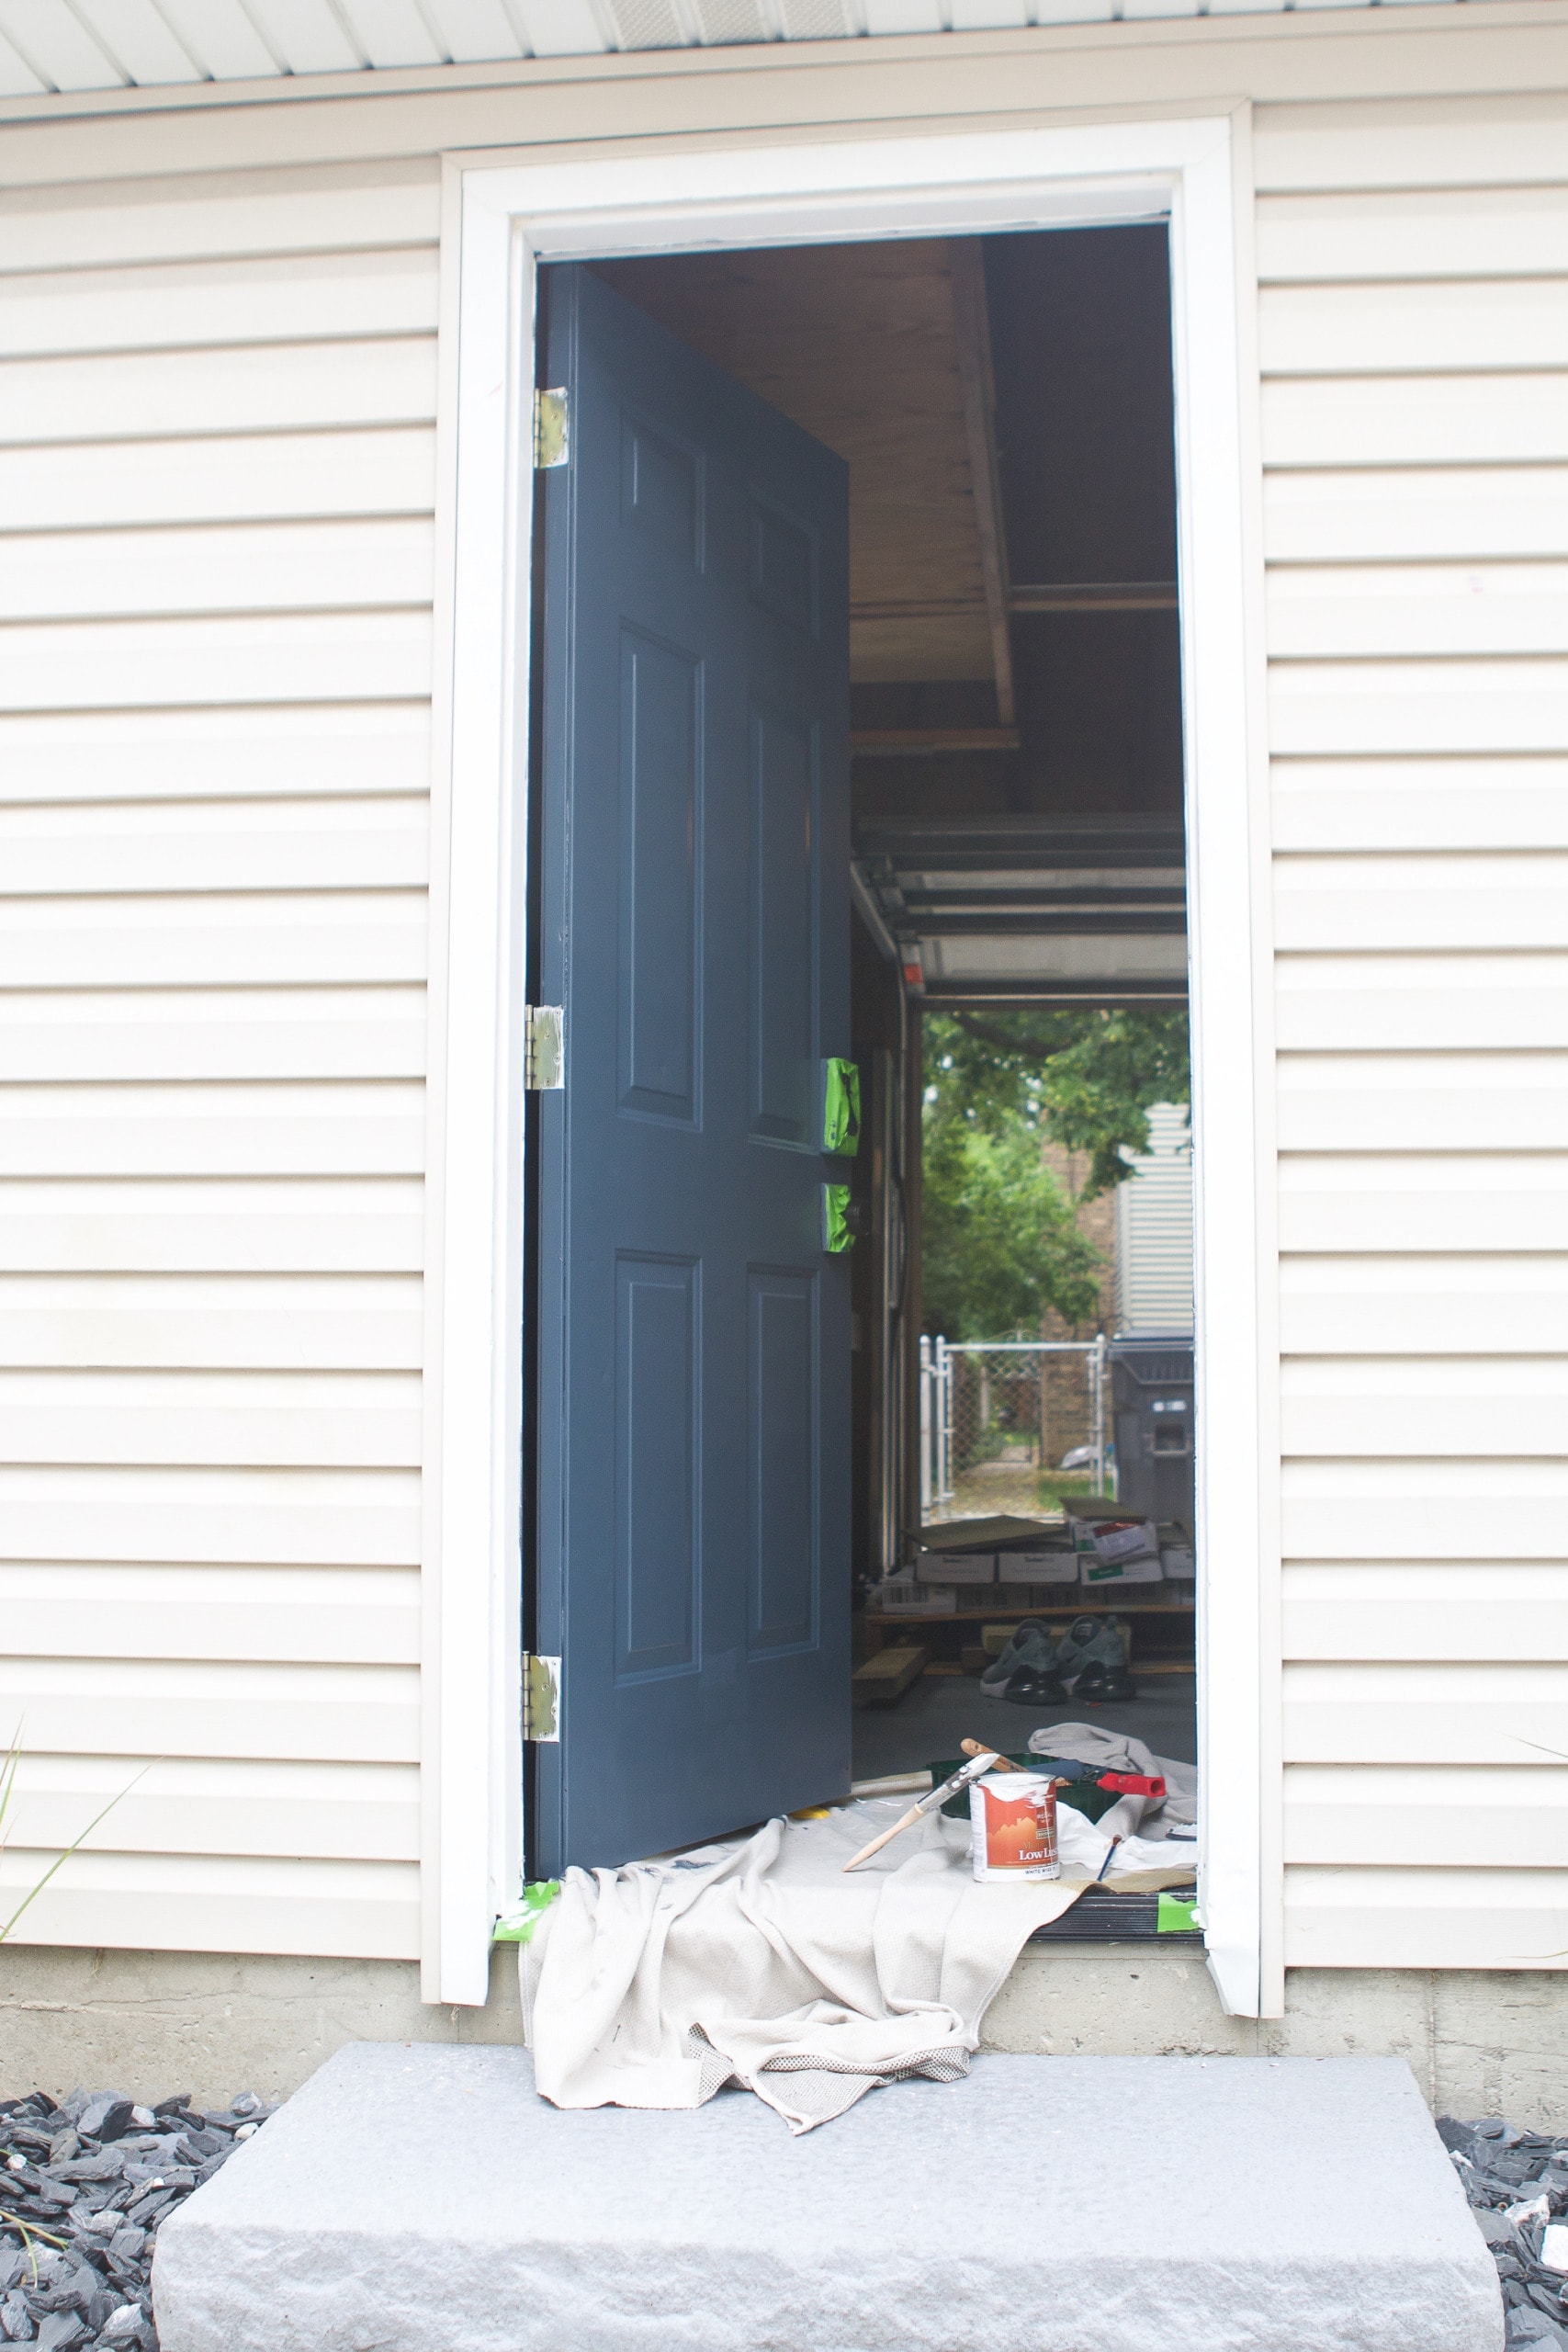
999, 1764
983, 1762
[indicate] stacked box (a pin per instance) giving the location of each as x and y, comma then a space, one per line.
1117, 1552
1051, 1564
902, 1597
959, 1567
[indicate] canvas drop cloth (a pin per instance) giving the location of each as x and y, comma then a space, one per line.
760, 1962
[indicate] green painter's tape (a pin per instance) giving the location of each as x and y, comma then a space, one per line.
517, 1926
840, 1107
1177, 1915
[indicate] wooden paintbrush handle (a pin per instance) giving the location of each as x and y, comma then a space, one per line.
886, 1839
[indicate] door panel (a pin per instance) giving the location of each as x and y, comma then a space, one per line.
781, 1397
692, 1336
656, 962
658, 1406
787, 889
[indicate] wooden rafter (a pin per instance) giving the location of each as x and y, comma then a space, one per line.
973, 329
1093, 596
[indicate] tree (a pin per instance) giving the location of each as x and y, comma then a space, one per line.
1000, 1242
1086, 1080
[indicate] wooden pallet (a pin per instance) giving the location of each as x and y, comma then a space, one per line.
887, 1674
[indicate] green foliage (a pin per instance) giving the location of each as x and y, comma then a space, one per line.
1000, 1240
1086, 1079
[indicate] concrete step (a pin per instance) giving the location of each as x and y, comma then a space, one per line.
420, 2199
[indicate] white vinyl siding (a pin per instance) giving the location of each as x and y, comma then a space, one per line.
217, 482
215, 588
1153, 1229
1414, 340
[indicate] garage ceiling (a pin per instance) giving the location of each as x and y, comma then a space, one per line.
859, 344
879, 350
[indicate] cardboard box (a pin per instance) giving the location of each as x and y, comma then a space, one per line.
1058, 1565
1179, 1560
1117, 1553
1108, 1573
958, 1567
1124, 1540
902, 1597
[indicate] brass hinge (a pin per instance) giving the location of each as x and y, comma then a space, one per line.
552, 429
544, 1047
541, 1698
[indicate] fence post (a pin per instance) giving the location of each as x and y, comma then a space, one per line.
925, 1427
944, 1422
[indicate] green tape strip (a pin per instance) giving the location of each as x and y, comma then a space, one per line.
517, 1926
1177, 1915
840, 1107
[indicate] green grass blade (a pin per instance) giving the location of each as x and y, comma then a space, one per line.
60, 1860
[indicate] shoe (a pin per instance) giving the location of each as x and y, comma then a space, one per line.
1093, 1657
1030, 1645
1036, 1687
1077, 1644
1101, 1686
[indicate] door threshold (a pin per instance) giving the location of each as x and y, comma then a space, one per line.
1104, 1914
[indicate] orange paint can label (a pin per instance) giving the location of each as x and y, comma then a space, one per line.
1012, 1827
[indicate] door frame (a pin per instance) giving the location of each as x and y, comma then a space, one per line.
503, 215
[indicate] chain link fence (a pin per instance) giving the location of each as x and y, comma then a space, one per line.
1011, 1425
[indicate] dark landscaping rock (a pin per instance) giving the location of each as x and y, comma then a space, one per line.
15, 2320
1528, 2326
61, 2332
107, 2116
99, 2173
1513, 2169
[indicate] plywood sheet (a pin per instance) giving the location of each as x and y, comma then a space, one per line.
857, 344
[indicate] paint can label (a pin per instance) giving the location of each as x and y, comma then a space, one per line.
1012, 1827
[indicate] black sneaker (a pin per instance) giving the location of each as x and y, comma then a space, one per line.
1101, 1686
1030, 1646
1034, 1686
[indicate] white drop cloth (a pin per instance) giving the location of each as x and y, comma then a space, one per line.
1118, 1751
761, 1964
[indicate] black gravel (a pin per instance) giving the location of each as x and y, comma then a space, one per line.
83, 2186
1504, 2171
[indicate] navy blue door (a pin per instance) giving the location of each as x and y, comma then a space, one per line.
692, 1335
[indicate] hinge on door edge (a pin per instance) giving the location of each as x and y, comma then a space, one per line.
552, 429
541, 1697
544, 1047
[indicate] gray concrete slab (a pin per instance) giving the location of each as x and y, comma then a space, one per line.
421, 2198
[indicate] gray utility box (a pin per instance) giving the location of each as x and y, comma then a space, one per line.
1153, 1401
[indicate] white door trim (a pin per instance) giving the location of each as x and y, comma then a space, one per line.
503, 215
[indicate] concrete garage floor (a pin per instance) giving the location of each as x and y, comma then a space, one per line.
939, 1711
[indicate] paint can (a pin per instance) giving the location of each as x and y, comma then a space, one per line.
1012, 1825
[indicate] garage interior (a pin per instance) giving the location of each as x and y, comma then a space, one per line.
1005, 408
